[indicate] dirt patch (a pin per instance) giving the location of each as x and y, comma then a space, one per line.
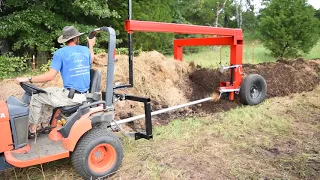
168, 82
283, 77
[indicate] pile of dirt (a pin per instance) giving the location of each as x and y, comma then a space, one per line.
157, 77
168, 82
283, 77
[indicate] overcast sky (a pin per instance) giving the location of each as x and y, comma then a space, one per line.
314, 3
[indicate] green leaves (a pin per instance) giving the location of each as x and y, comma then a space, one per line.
35, 25
289, 28
11, 66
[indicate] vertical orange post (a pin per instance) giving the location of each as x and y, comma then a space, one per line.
236, 55
178, 52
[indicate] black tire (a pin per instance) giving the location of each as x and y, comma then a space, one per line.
253, 90
89, 142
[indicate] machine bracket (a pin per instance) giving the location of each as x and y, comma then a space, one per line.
147, 108
141, 135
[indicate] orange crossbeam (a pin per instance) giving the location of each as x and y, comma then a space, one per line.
147, 26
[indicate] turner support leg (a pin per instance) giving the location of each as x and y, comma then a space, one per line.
178, 52
236, 55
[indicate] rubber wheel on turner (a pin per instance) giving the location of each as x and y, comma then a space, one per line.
253, 90
97, 154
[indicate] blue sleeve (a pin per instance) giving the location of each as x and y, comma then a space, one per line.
90, 62
56, 62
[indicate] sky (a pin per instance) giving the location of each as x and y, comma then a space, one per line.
314, 3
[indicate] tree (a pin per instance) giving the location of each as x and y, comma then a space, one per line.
288, 27
34, 25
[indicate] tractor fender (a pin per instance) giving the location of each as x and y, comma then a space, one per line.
6, 142
84, 124
78, 129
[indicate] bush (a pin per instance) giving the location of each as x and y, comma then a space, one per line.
125, 51
45, 67
289, 28
11, 66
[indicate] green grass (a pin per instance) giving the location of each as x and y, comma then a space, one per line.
272, 140
314, 53
254, 52
278, 139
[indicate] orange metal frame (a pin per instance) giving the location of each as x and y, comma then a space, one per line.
227, 36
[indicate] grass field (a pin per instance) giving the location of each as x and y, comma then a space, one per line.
254, 52
279, 139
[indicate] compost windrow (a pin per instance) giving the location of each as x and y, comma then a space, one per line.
169, 82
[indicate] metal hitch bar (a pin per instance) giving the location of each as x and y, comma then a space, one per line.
146, 115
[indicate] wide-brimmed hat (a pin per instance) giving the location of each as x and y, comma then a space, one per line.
68, 32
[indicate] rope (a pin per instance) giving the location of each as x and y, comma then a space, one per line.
35, 140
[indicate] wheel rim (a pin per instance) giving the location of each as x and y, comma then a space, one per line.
255, 91
102, 158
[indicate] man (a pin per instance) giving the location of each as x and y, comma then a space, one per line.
73, 62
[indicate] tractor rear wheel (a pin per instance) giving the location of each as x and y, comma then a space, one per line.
253, 90
97, 154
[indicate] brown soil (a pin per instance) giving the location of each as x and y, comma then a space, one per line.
168, 82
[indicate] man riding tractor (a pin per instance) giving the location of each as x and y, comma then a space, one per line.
76, 119
73, 62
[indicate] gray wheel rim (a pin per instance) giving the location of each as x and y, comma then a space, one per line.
255, 90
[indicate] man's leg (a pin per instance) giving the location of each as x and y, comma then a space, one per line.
46, 115
39, 107
35, 111
55, 97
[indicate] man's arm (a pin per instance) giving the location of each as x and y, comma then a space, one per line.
48, 76
91, 43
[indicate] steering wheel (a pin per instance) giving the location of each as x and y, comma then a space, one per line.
31, 89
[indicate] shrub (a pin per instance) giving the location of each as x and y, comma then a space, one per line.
45, 67
289, 28
11, 66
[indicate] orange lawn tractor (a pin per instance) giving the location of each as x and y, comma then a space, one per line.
80, 132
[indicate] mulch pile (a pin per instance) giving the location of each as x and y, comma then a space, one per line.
168, 83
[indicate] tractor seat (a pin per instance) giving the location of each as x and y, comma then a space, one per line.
94, 93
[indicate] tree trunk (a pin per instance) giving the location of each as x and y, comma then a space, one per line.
218, 12
239, 13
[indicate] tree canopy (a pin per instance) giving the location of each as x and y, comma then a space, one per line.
289, 28
35, 24
30, 26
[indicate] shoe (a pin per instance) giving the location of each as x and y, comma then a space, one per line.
45, 130
32, 135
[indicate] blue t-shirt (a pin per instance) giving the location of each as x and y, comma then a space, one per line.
73, 62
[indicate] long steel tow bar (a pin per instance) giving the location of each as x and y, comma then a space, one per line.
123, 121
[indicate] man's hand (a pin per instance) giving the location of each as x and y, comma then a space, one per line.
19, 80
91, 42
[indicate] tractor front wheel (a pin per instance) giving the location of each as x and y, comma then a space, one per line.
253, 90
97, 154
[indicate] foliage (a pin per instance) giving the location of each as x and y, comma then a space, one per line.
289, 27
11, 66
45, 67
154, 10
34, 25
